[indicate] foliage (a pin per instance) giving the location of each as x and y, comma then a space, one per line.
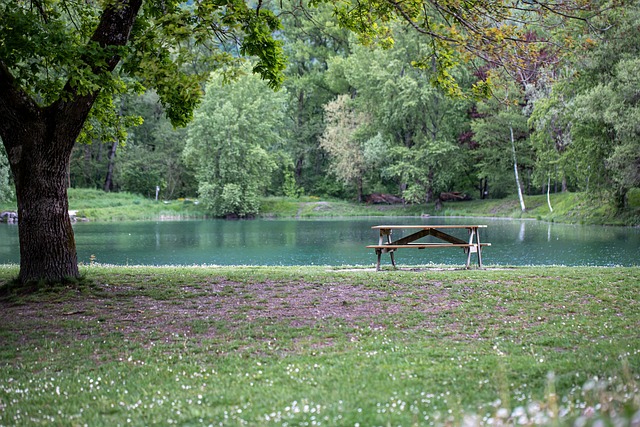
606, 123
138, 175
159, 145
53, 36
598, 102
229, 143
551, 137
633, 198
312, 38
6, 189
343, 140
492, 132
514, 38
417, 125
289, 186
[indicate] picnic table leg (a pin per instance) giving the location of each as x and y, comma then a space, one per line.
379, 253
471, 234
391, 253
479, 249
385, 232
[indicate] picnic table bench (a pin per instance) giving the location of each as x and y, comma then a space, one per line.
386, 245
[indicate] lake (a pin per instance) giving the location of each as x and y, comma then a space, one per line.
335, 242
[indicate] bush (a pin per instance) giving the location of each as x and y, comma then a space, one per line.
230, 199
633, 198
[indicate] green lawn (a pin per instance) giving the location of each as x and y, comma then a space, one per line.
303, 346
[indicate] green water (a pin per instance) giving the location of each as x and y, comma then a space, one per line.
334, 242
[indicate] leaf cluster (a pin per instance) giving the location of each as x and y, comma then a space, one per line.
228, 143
53, 51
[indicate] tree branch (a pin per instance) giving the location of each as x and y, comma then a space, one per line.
15, 106
113, 30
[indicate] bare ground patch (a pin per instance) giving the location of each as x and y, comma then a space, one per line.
222, 310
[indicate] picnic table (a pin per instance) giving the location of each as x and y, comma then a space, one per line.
441, 232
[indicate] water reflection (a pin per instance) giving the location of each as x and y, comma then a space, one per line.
335, 242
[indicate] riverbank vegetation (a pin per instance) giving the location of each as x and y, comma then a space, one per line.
571, 208
310, 346
576, 208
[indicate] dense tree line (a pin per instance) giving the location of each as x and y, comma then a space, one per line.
352, 120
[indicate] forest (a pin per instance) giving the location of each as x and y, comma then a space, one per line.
355, 118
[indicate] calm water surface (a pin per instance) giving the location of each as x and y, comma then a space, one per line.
335, 242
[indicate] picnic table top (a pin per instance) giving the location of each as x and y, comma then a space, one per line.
427, 227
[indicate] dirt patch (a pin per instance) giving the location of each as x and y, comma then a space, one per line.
221, 310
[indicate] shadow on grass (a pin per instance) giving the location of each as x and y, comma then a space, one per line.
14, 290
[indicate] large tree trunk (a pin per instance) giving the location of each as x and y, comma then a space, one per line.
47, 243
39, 141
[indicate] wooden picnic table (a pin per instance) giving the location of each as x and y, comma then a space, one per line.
386, 245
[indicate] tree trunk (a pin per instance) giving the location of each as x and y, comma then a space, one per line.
430, 196
548, 195
88, 173
483, 187
515, 170
40, 162
298, 168
108, 181
39, 141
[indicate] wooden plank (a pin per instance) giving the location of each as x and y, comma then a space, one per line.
447, 237
426, 227
411, 237
438, 245
426, 245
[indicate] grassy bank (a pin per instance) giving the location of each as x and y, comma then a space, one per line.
318, 346
567, 208
95, 205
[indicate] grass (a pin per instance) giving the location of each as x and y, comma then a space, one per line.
95, 205
567, 208
258, 346
312, 207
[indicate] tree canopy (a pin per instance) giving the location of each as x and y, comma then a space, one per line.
229, 140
